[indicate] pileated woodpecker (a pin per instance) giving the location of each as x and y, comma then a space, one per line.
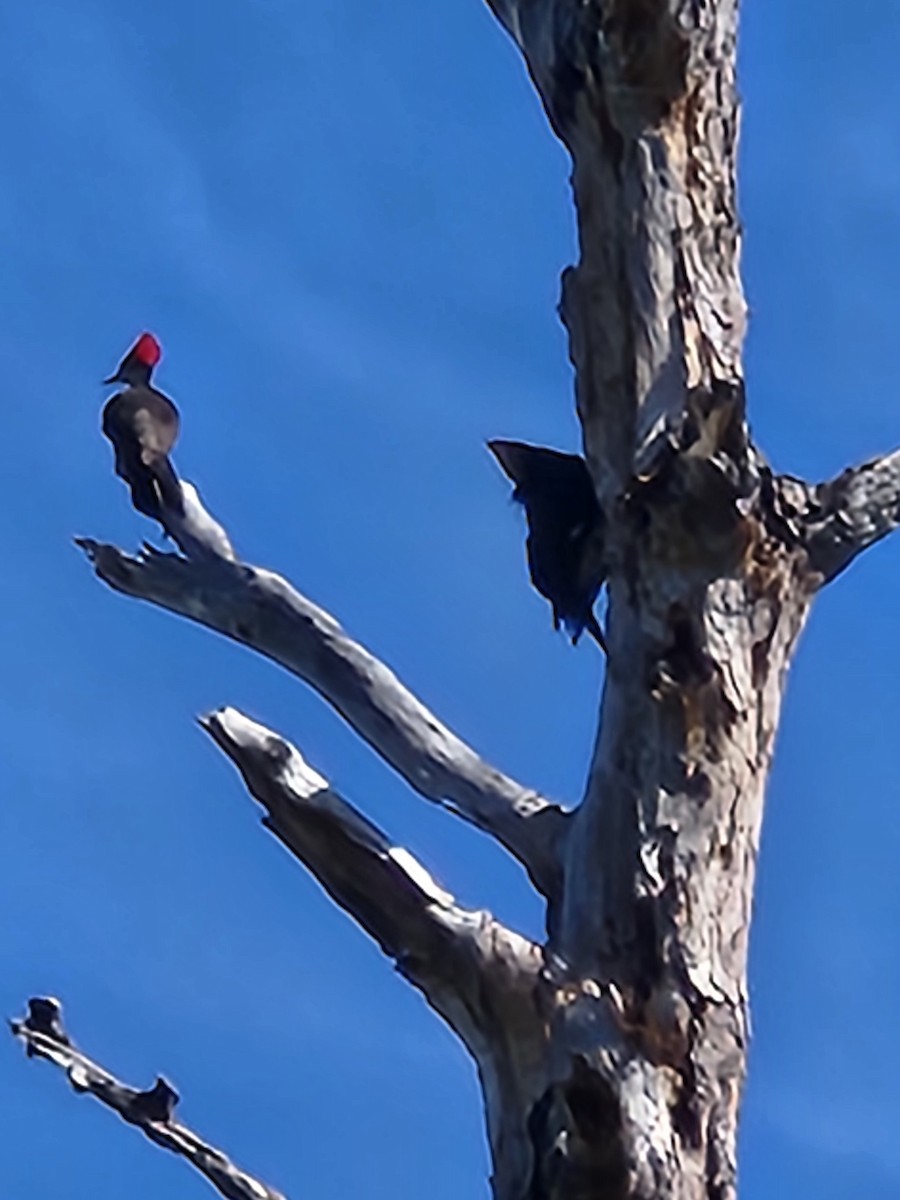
565, 531
142, 425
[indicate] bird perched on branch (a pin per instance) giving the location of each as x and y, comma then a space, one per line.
565, 531
142, 425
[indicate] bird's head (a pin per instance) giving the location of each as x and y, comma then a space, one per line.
137, 365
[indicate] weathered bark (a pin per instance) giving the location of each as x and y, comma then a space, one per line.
839, 519
705, 602
485, 980
613, 1057
262, 610
712, 562
391, 895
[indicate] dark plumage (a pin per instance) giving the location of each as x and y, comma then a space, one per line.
142, 425
565, 531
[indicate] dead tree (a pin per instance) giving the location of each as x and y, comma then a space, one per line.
612, 1057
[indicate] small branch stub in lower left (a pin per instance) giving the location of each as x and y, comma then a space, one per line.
152, 1110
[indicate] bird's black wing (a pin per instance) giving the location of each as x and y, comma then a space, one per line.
565, 529
142, 425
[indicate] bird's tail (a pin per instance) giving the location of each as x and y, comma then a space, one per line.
592, 625
169, 487
144, 491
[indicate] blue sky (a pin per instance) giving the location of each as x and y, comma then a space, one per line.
346, 223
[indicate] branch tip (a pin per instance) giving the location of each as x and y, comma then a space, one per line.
151, 1110
240, 736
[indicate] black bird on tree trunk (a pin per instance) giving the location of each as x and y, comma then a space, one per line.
142, 425
565, 531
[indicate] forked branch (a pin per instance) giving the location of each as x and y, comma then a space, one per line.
151, 1111
263, 611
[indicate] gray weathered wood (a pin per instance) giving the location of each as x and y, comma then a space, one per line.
263, 611
644, 97
195, 530
706, 604
850, 513
709, 587
392, 896
150, 1111
485, 980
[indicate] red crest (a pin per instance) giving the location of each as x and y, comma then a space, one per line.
147, 350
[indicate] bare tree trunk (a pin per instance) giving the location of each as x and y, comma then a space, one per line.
706, 602
612, 1057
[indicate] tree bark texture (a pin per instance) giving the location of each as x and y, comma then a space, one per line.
612, 1056
706, 602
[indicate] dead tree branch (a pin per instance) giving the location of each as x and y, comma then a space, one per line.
195, 530
151, 1111
391, 895
262, 610
485, 980
851, 513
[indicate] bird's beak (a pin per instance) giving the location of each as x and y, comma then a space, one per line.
112, 379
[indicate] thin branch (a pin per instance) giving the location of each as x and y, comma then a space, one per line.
851, 512
151, 1111
450, 953
263, 611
